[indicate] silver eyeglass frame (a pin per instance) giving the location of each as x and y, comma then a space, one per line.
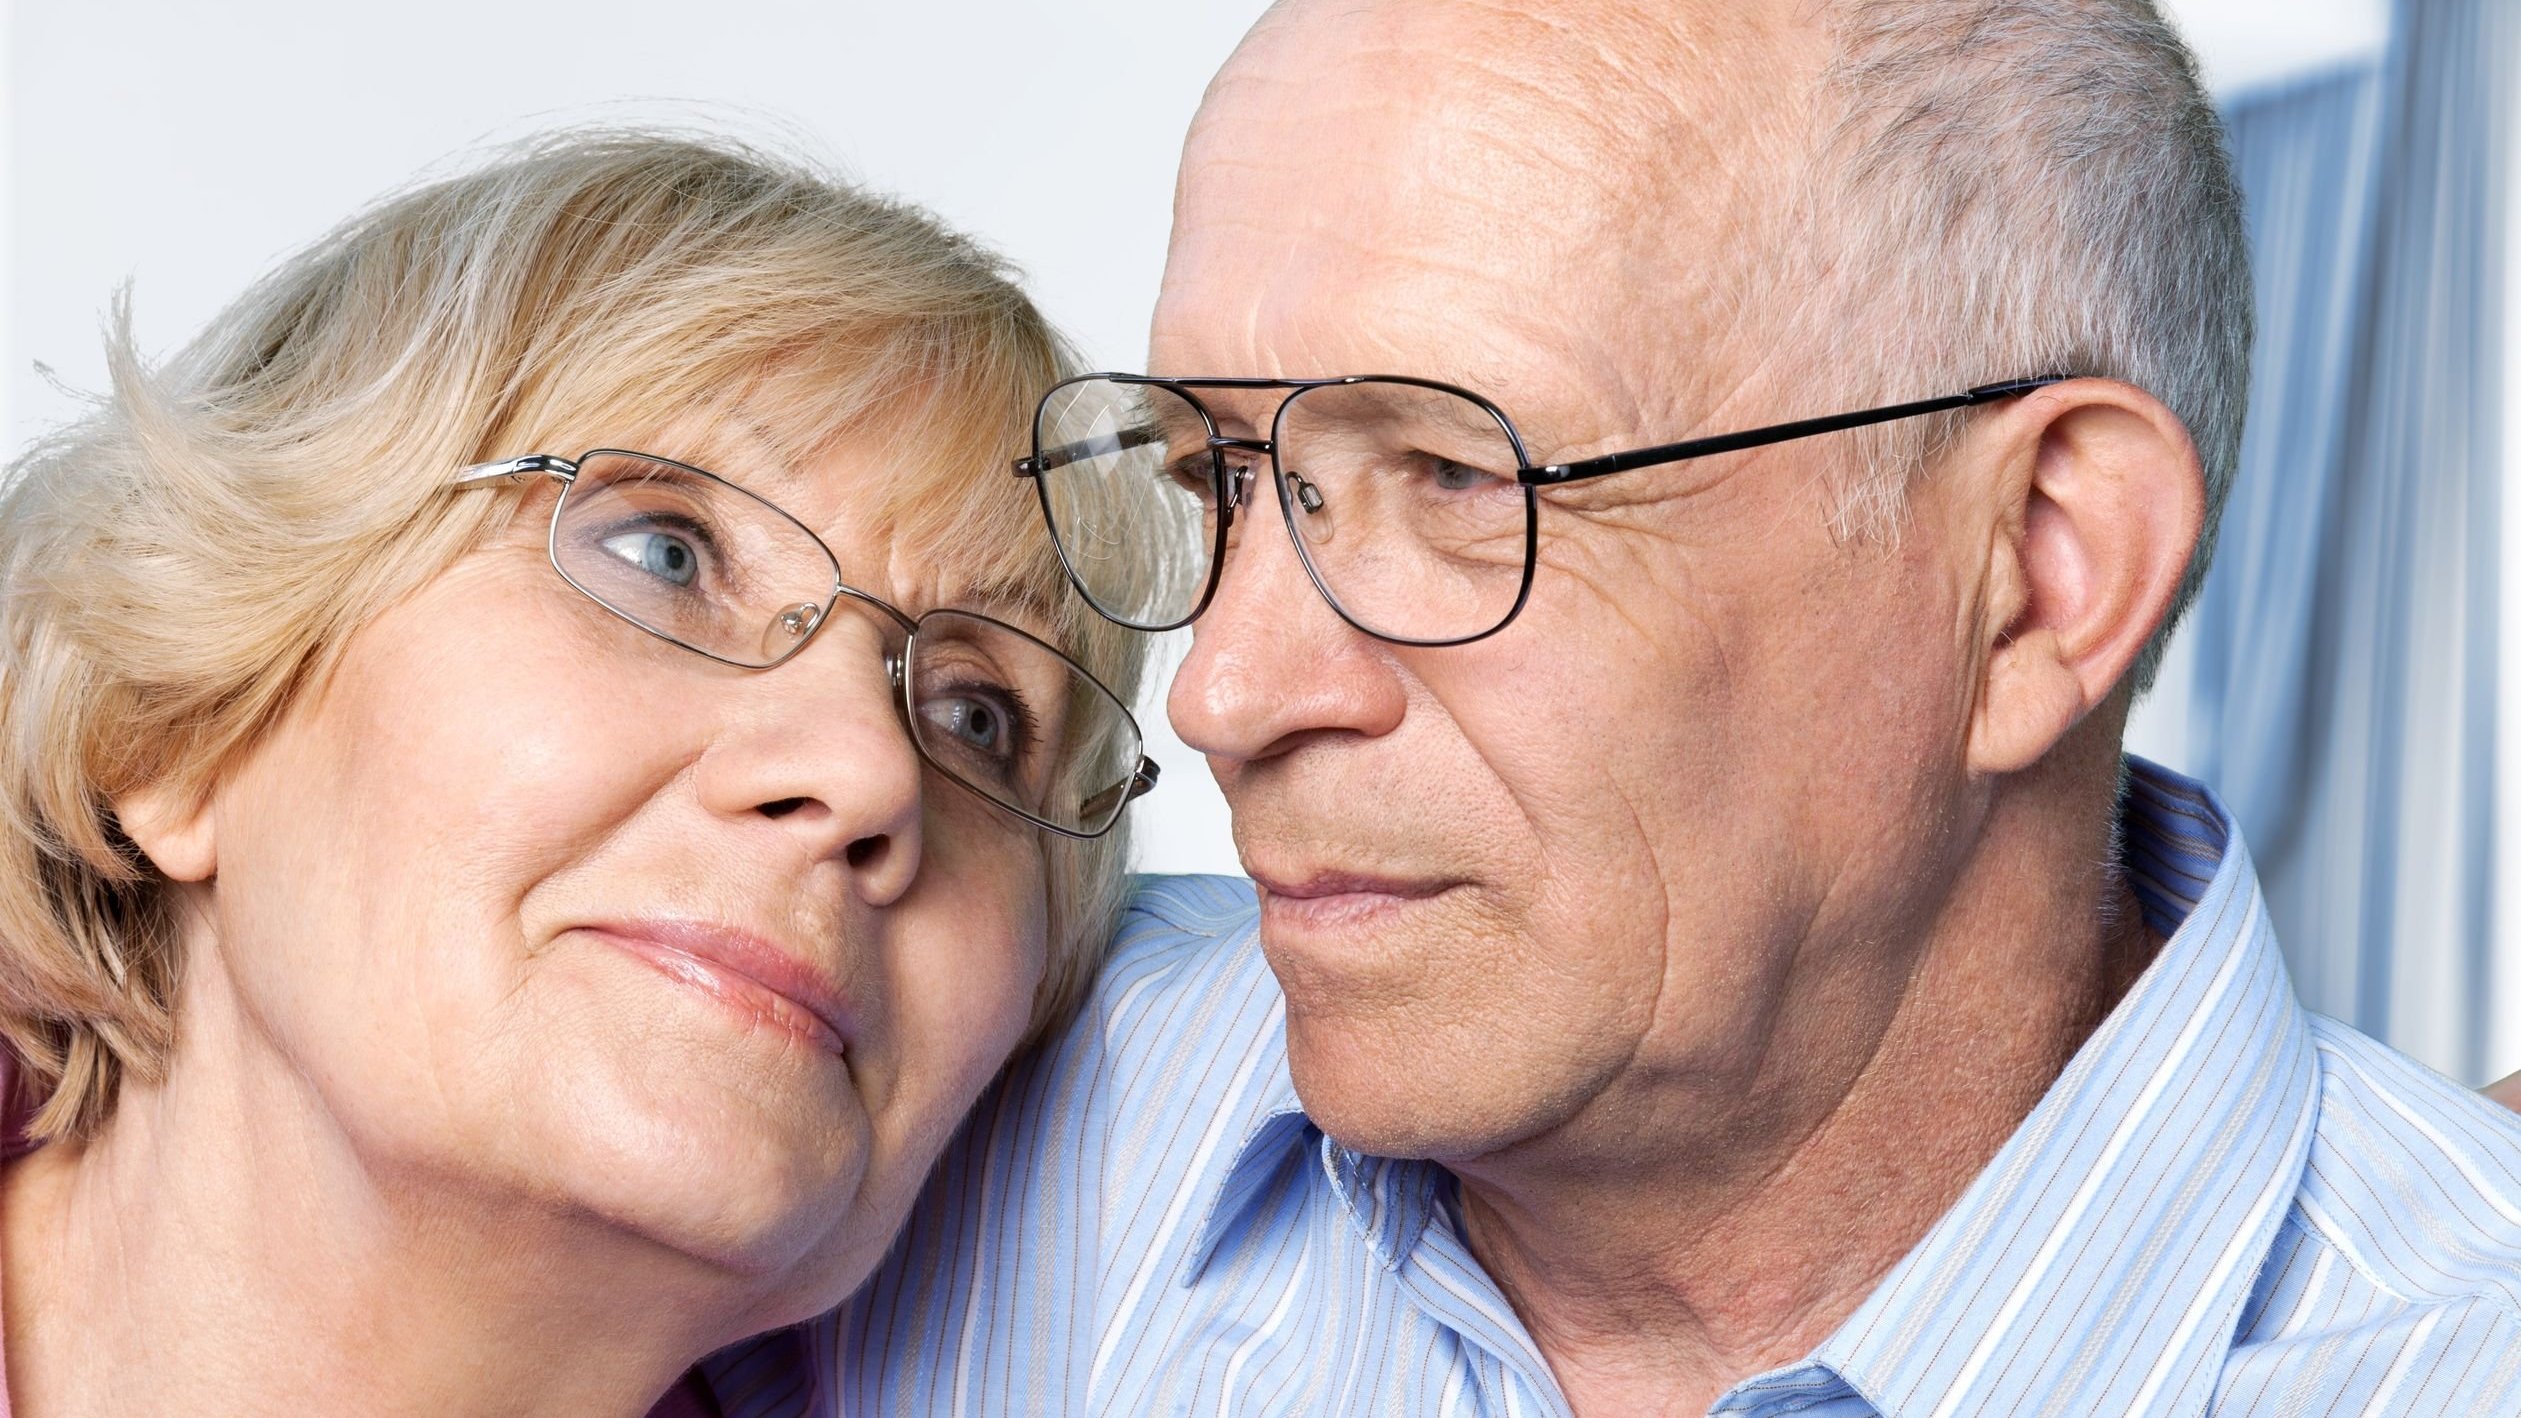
1110, 802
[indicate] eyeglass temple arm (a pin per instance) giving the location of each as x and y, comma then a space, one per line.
1100, 446
511, 469
1137, 785
1776, 433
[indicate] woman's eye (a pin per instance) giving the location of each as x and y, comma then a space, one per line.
660, 554
986, 722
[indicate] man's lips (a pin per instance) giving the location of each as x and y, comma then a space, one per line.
1316, 886
1330, 897
742, 971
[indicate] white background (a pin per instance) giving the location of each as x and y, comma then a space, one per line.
183, 146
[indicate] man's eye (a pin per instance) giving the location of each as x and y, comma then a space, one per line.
660, 554
1193, 475
1458, 477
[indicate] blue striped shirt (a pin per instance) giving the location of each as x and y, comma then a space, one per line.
2224, 1205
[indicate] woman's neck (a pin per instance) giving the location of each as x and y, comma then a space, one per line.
222, 1247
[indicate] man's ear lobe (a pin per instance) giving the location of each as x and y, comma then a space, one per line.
2088, 553
173, 830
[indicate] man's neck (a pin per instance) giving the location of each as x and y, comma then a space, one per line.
1655, 1279
219, 1250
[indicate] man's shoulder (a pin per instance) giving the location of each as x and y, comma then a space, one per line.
2414, 1180
1182, 1015
2392, 1131
1187, 948
2393, 1285
1183, 981
1197, 905
994, 1287
1182, 928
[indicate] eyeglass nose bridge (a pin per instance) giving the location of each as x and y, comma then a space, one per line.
896, 657
803, 621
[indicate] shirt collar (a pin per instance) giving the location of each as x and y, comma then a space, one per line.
2116, 1235
1390, 1202
1270, 1127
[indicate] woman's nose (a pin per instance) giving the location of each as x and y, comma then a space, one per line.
815, 749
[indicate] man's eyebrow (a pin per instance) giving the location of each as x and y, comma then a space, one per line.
1460, 415
1432, 411
1177, 419
1172, 417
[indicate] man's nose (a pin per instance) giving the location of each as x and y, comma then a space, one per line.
815, 749
1270, 660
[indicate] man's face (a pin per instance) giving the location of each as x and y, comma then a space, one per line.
1683, 814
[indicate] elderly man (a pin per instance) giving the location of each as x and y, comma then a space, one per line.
1710, 952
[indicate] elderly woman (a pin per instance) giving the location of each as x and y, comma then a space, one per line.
483, 923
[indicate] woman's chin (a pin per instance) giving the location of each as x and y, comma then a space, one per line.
756, 1181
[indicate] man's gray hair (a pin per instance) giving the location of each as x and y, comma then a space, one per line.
2028, 187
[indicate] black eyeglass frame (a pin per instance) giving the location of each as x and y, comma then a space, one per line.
1230, 492
1140, 781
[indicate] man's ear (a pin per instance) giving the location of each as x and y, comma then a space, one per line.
174, 830
2100, 499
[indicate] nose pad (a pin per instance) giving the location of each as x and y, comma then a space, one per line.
789, 628
1238, 484
1316, 524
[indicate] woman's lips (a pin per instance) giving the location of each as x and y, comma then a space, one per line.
742, 971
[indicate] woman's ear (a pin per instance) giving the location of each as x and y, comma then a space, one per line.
173, 830
2100, 507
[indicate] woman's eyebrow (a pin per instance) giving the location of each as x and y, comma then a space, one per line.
734, 444
1002, 598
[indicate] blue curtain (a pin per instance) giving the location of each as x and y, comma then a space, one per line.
2304, 154
2345, 647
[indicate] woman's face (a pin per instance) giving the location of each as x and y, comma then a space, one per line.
549, 907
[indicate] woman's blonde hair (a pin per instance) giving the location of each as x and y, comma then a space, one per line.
182, 564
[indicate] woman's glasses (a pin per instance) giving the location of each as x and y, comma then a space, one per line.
693, 559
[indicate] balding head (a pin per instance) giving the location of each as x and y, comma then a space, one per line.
1599, 170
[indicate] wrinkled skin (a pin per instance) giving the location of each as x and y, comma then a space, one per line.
428, 1101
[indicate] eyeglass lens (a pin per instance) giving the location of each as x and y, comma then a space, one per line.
1402, 497
1130, 493
701, 562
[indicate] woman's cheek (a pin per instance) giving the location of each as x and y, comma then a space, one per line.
967, 982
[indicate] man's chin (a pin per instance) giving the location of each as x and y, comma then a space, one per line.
1391, 1094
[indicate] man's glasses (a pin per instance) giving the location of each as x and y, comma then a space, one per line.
1412, 504
693, 559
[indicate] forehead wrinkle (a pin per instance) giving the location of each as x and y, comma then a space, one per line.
1612, 71
1343, 292
1644, 201
1602, 283
1010, 598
